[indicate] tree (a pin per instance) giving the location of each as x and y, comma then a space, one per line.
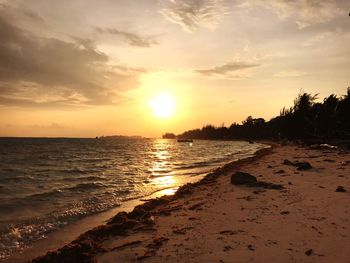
306, 119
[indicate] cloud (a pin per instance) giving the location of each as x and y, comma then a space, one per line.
38, 71
132, 38
193, 14
231, 70
305, 12
12, 11
321, 37
33, 15
290, 73
316, 12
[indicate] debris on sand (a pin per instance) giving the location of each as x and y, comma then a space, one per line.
197, 206
329, 160
340, 189
251, 248
267, 185
299, 165
303, 166
309, 252
157, 243
287, 162
128, 244
242, 178
344, 163
327, 146
153, 247
74, 252
323, 146
280, 172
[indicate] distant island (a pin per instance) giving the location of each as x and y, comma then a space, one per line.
169, 136
119, 137
307, 120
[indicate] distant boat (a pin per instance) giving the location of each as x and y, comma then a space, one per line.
184, 140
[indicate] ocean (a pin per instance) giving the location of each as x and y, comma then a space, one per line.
47, 183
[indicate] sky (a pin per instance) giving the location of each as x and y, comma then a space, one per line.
85, 68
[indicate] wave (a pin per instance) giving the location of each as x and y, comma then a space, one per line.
8, 181
200, 164
86, 186
61, 191
44, 195
87, 178
23, 234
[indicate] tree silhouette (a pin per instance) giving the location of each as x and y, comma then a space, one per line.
306, 120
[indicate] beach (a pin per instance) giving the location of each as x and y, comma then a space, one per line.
174, 131
304, 219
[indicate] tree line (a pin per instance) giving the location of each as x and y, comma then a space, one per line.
305, 120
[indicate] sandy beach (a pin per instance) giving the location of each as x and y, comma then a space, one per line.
174, 131
291, 214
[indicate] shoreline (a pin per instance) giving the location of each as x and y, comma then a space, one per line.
141, 203
72, 231
304, 219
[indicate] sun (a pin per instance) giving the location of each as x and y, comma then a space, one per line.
163, 106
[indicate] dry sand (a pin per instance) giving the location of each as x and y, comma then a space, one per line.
215, 221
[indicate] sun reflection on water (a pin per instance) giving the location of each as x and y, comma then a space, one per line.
161, 171
168, 183
160, 165
169, 191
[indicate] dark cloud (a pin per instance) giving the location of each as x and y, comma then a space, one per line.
132, 38
192, 14
39, 71
227, 70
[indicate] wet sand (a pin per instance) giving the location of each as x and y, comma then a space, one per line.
303, 219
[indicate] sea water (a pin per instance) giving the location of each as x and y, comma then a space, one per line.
47, 183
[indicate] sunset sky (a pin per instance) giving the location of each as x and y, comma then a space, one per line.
82, 68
